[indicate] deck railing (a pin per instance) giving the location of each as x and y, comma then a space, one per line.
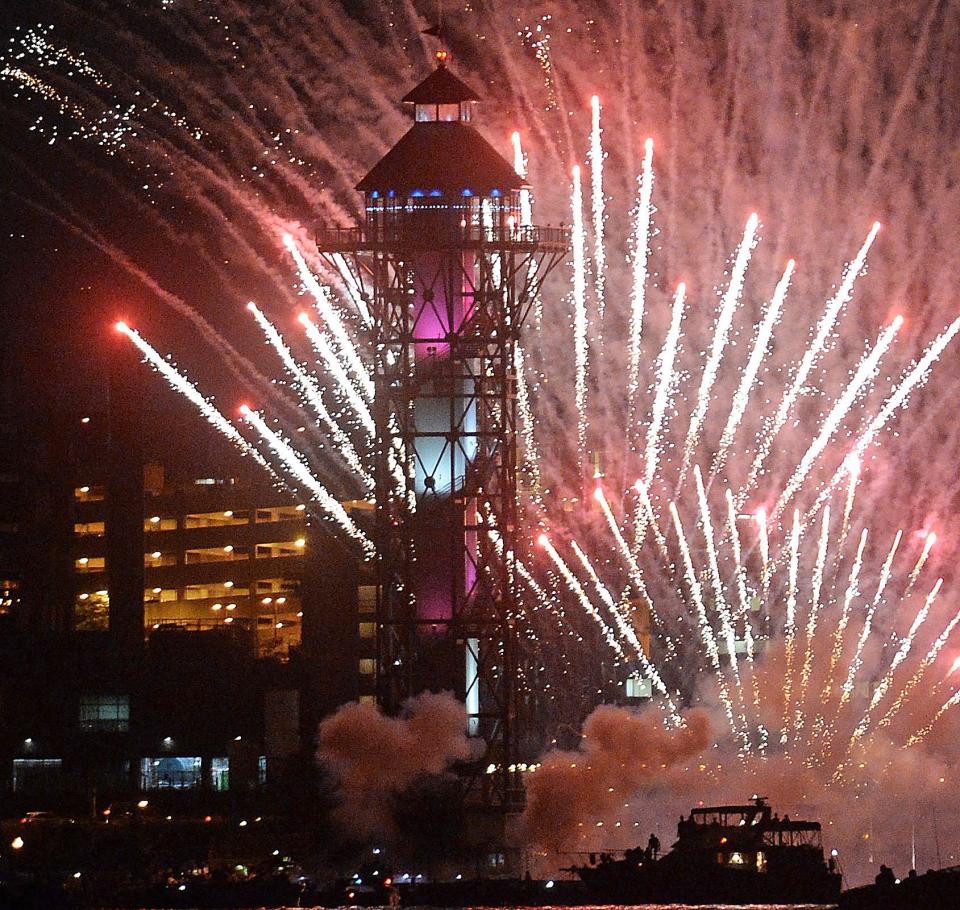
433, 234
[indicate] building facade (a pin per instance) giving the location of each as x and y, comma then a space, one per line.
172, 624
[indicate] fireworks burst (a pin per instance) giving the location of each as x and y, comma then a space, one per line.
766, 596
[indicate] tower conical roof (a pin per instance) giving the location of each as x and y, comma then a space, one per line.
451, 157
441, 87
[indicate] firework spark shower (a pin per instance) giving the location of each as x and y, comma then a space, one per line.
761, 293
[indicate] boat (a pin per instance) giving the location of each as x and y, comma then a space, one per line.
740, 854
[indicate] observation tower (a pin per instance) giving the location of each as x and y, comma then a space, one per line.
447, 271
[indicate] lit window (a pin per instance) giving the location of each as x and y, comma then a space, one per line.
638, 687
170, 773
368, 630
92, 612
220, 774
104, 713
156, 559
36, 774
223, 519
262, 770
213, 591
279, 513
367, 666
158, 523
281, 549
226, 553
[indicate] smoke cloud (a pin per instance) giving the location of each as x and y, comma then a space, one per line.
375, 757
622, 751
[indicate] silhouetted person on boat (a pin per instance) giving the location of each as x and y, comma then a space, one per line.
653, 847
885, 877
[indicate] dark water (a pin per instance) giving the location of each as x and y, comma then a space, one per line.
624, 907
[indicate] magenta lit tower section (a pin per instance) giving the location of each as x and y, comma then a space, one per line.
446, 271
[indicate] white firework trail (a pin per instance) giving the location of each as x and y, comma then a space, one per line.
579, 311
313, 394
545, 601
850, 594
928, 660
573, 583
906, 644
761, 345
813, 616
633, 567
739, 575
649, 519
928, 543
916, 376
857, 660
744, 599
726, 620
728, 305
924, 732
790, 624
626, 629
865, 372
837, 651
300, 471
185, 387
331, 318
354, 289
339, 374
764, 541
597, 206
812, 353
706, 629
531, 454
520, 166
641, 252
666, 380
853, 471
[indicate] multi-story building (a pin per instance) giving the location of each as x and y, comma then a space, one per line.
175, 625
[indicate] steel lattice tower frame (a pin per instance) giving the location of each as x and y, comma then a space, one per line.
449, 275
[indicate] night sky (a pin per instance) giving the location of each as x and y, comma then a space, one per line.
155, 153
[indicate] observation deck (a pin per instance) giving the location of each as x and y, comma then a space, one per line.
406, 236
